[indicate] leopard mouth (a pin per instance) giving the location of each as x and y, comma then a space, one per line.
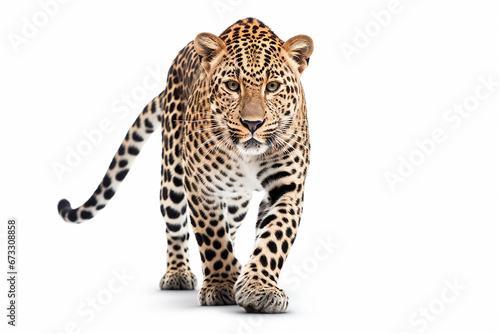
251, 139
252, 146
252, 142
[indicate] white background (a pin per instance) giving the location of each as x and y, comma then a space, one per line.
393, 251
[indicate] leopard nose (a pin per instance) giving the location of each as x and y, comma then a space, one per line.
252, 125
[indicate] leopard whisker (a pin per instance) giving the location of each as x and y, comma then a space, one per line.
206, 129
285, 142
196, 121
306, 137
289, 138
215, 146
210, 139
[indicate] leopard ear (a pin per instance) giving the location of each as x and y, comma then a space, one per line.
209, 48
299, 49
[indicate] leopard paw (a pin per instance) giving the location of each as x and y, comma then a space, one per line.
178, 280
216, 294
255, 297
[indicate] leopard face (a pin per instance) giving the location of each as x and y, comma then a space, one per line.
254, 85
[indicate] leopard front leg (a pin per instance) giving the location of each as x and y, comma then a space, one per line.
279, 215
219, 265
174, 210
173, 202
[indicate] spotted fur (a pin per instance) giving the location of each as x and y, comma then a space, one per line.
234, 121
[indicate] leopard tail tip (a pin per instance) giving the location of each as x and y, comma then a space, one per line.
65, 211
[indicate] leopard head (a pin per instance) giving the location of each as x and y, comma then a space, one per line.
253, 78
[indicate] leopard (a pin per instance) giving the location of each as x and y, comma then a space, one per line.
233, 122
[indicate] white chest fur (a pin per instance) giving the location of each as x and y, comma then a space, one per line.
239, 179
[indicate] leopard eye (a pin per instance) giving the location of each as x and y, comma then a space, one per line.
272, 87
233, 86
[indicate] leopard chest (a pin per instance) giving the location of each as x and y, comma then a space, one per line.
231, 177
